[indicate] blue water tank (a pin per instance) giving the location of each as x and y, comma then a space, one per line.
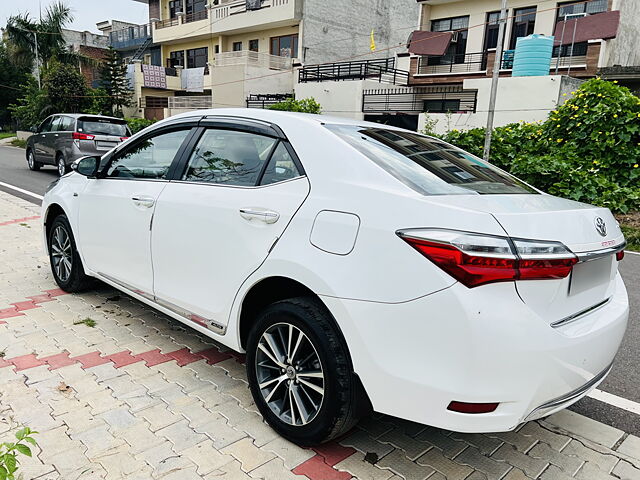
533, 56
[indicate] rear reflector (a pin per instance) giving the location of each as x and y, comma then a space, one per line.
620, 255
122, 139
475, 259
472, 408
82, 136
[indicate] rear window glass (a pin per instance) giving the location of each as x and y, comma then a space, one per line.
103, 127
429, 166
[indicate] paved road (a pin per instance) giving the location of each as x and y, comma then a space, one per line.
624, 380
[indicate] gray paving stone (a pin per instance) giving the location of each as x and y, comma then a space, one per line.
626, 471
554, 440
412, 448
568, 464
398, 463
181, 435
360, 440
602, 461
486, 445
449, 447
585, 427
450, 469
630, 447
491, 468
357, 466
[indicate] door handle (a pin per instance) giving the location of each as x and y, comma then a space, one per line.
266, 216
143, 201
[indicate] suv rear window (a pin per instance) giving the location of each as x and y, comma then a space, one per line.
103, 126
428, 165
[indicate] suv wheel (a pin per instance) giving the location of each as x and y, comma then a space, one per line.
61, 164
31, 161
300, 372
66, 265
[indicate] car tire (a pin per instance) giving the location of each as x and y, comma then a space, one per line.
315, 398
66, 264
61, 165
31, 161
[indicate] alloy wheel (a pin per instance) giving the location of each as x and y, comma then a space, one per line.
61, 253
62, 168
30, 160
290, 374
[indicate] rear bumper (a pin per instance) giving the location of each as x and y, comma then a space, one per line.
479, 345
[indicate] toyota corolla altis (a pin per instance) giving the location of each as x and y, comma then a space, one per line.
358, 265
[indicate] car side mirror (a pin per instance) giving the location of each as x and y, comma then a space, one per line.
87, 166
34, 129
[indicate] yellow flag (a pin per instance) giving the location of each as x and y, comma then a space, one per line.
373, 42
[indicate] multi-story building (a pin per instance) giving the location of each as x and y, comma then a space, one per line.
226, 52
88, 45
454, 52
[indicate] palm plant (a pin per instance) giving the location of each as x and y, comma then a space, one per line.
32, 40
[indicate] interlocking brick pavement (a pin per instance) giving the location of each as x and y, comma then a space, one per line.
140, 396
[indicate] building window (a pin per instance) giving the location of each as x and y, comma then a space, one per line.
176, 59
491, 30
175, 7
285, 46
523, 24
237, 46
195, 6
197, 57
458, 48
573, 8
442, 105
254, 45
216, 49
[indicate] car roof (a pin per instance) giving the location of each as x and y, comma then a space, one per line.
87, 115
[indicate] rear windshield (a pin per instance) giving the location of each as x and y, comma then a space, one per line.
103, 126
429, 166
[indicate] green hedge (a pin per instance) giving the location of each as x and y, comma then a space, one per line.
587, 150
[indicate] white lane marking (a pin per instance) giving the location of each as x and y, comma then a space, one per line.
616, 401
22, 190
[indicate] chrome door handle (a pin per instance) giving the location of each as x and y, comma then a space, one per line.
143, 201
266, 216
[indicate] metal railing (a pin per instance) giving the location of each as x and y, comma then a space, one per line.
457, 63
248, 57
195, 102
154, 102
233, 7
196, 16
265, 100
414, 100
381, 70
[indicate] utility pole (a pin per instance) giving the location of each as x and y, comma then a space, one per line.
494, 82
35, 34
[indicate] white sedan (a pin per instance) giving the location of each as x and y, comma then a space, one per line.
359, 266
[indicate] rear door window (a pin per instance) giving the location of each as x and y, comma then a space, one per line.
103, 126
281, 167
228, 157
428, 165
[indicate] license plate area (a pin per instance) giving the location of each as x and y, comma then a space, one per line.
590, 275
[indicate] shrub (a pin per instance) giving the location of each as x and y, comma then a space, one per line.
9, 453
587, 150
137, 124
305, 105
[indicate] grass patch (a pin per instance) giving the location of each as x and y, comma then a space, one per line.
630, 224
89, 322
19, 143
4, 135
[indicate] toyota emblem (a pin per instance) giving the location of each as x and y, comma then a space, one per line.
601, 227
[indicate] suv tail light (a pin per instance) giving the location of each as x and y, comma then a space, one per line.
82, 136
475, 259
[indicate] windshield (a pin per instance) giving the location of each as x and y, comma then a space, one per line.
104, 126
428, 165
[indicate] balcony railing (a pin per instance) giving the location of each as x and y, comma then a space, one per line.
265, 100
196, 16
448, 64
169, 22
154, 102
381, 70
232, 7
257, 59
130, 37
418, 100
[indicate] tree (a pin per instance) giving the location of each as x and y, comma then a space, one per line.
22, 31
115, 83
305, 105
32, 107
66, 88
12, 77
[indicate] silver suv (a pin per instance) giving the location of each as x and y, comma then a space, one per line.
63, 138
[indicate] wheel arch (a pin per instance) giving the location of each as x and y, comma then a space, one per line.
52, 212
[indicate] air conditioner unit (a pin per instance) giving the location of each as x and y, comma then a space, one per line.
455, 36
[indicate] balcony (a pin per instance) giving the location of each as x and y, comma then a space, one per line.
130, 37
192, 25
232, 16
417, 100
255, 59
453, 64
379, 70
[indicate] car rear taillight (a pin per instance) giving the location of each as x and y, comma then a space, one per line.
82, 136
122, 139
475, 259
620, 255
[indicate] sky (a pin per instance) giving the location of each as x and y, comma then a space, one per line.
86, 13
